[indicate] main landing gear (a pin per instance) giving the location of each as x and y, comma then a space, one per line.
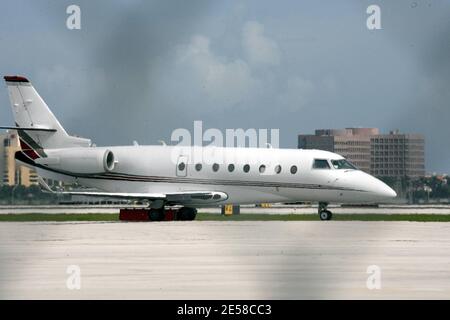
324, 214
186, 214
157, 214
162, 214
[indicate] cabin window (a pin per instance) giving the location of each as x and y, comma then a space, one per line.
215, 167
246, 168
294, 169
262, 168
231, 167
321, 164
278, 169
181, 166
198, 166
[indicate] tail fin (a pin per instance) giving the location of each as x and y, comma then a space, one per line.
36, 124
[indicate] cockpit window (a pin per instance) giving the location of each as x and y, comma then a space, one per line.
321, 164
343, 164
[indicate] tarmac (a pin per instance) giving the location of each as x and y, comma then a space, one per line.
225, 260
273, 209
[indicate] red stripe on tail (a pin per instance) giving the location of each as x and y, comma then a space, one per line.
28, 150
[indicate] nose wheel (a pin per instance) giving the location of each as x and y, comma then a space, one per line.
324, 214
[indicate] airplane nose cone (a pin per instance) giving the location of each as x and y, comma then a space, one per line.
370, 188
376, 189
388, 192
382, 190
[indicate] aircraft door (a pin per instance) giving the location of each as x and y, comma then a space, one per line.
182, 164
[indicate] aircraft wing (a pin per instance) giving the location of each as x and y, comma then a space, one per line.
181, 197
186, 197
119, 195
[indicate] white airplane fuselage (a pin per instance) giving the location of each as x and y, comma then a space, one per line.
156, 169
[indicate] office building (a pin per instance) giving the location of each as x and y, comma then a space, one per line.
384, 155
397, 154
12, 173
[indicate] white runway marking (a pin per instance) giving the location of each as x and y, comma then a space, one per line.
224, 260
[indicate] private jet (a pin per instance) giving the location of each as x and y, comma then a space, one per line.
164, 176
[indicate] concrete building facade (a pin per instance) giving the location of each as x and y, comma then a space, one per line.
11, 173
398, 155
392, 155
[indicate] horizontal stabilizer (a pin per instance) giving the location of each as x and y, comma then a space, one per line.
29, 128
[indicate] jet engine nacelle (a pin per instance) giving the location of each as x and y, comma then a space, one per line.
79, 160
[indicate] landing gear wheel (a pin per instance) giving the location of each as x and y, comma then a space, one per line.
156, 214
325, 215
186, 214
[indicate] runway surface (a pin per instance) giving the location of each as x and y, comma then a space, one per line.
225, 260
274, 209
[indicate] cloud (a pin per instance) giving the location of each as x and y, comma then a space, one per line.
200, 71
76, 84
202, 78
297, 93
195, 76
259, 49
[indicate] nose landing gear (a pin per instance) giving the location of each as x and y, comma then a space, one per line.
324, 214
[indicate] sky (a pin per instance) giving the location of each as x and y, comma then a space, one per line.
138, 70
